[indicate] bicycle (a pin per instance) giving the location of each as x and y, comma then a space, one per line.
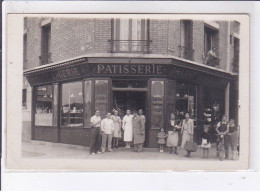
221, 146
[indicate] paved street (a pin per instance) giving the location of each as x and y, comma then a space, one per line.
37, 149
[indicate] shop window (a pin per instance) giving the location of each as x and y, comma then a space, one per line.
211, 46
45, 57
72, 104
186, 101
24, 98
43, 106
130, 36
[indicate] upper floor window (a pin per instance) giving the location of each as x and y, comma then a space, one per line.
185, 47
45, 45
130, 36
24, 99
236, 55
25, 51
211, 46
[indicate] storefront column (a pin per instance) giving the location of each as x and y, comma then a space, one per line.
227, 94
157, 107
55, 104
200, 110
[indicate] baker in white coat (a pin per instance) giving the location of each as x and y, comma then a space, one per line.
128, 128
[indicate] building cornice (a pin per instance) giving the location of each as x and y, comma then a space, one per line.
125, 58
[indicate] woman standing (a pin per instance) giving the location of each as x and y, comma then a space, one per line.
173, 134
117, 128
187, 131
128, 128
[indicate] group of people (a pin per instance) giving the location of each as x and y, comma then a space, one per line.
109, 130
186, 129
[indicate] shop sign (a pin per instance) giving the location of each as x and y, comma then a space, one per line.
67, 73
129, 69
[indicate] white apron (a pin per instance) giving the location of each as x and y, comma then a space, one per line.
128, 128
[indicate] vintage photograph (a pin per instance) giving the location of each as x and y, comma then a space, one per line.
132, 87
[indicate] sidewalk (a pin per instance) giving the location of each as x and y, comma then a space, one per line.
38, 149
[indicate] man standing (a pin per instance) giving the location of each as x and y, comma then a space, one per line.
138, 132
141, 115
107, 129
95, 122
222, 128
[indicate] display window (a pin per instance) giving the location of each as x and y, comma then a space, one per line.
72, 104
44, 106
186, 100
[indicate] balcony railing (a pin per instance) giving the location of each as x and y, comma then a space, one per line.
186, 53
211, 60
129, 46
45, 59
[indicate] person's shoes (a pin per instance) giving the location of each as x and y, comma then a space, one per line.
93, 153
98, 152
187, 156
162, 151
176, 152
110, 150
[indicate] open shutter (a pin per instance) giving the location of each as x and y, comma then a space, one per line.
157, 96
170, 99
88, 92
102, 96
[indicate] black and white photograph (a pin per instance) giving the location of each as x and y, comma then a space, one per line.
144, 92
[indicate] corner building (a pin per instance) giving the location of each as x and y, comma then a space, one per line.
74, 66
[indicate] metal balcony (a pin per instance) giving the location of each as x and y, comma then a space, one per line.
45, 59
129, 46
186, 53
212, 60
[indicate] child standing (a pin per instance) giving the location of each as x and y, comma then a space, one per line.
205, 141
161, 139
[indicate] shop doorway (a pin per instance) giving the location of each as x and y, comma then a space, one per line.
130, 94
123, 100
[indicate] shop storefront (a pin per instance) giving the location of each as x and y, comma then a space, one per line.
66, 95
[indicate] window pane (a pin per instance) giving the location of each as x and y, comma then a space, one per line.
24, 98
43, 112
186, 100
72, 105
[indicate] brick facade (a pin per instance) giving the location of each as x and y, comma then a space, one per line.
198, 41
72, 37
